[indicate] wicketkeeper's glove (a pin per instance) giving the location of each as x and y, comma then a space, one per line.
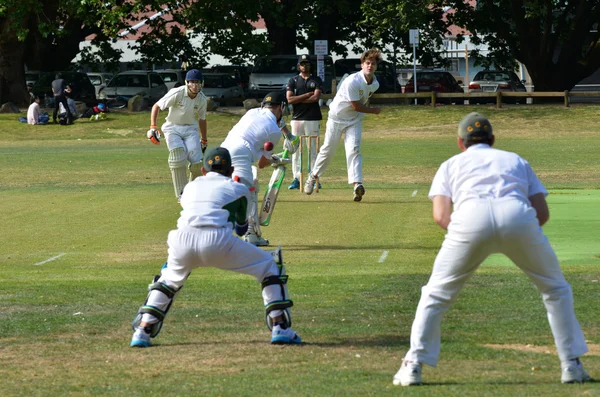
203, 145
277, 160
153, 135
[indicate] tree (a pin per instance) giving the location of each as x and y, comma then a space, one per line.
556, 40
17, 19
45, 36
387, 23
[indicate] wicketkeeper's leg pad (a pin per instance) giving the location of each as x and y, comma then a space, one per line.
177, 164
275, 294
155, 308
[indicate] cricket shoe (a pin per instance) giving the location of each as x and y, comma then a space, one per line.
310, 184
256, 240
284, 336
573, 372
409, 374
140, 338
295, 184
359, 192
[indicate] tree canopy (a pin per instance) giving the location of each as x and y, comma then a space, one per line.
556, 40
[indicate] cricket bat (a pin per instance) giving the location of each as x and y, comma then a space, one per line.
268, 203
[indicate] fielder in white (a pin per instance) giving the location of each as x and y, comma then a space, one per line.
346, 113
499, 207
187, 114
246, 142
213, 206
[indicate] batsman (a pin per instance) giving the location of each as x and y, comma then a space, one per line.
213, 206
187, 114
246, 143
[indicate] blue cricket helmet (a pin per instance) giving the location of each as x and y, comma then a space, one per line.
194, 75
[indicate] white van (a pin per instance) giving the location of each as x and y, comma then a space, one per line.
272, 73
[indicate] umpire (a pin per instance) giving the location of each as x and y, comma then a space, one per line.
303, 93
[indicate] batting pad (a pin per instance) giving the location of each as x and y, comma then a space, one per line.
177, 164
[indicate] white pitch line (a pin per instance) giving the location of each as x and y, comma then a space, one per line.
383, 256
48, 260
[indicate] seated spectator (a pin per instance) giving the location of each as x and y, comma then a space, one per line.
93, 111
62, 117
34, 116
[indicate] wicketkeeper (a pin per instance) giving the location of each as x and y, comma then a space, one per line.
187, 115
213, 206
246, 142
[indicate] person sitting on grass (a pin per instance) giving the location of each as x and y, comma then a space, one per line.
34, 115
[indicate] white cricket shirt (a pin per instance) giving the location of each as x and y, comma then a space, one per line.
353, 88
484, 172
183, 110
254, 129
203, 200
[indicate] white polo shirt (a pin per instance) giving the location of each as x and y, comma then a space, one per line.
183, 110
203, 201
254, 129
353, 88
484, 172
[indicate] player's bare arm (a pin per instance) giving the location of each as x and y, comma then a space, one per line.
202, 124
263, 162
314, 97
293, 99
538, 202
358, 106
154, 114
442, 209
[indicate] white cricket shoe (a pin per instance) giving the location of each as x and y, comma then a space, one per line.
409, 374
573, 372
310, 184
359, 191
140, 338
284, 336
253, 239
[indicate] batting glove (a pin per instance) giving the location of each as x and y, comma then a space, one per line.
277, 160
203, 145
153, 135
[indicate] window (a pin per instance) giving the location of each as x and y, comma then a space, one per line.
156, 80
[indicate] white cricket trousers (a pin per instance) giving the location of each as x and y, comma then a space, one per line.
191, 248
479, 228
352, 138
305, 128
184, 136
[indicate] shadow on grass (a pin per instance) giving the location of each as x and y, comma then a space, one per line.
292, 247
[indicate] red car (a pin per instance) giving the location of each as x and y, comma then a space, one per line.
442, 82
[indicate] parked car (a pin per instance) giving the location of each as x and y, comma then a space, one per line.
172, 77
99, 80
221, 85
435, 81
496, 81
82, 88
240, 73
384, 73
31, 77
272, 73
146, 83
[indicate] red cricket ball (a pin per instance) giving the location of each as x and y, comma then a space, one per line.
268, 146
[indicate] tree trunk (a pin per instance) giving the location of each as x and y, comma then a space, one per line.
12, 73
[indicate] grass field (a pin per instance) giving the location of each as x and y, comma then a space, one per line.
85, 214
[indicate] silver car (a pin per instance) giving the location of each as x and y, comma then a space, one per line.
496, 81
172, 77
221, 86
124, 85
99, 80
